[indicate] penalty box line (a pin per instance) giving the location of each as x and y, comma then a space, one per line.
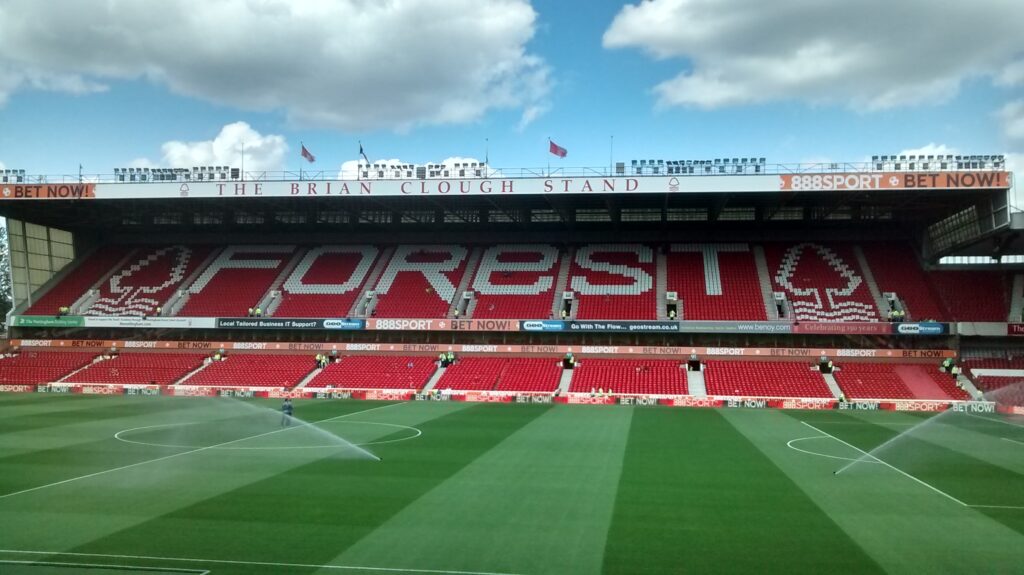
105, 566
240, 562
197, 450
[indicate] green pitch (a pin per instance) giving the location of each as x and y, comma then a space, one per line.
113, 485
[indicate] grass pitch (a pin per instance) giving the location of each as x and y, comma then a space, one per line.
140, 485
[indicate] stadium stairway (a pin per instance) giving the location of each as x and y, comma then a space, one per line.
564, 382
272, 299
184, 378
471, 263
434, 378
661, 284
869, 279
94, 361
363, 307
562, 281
1017, 299
309, 377
695, 383
968, 386
764, 277
180, 297
833, 385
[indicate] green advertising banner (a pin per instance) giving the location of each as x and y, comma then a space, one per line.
48, 321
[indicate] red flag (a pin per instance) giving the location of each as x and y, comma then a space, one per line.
307, 155
556, 149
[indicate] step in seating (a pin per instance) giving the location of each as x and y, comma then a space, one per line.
37, 367
716, 282
375, 372
502, 374
147, 280
621, 376
78, 281
326, 282
823, 283
140, 368
254, 370
420, 281
516, 281
236, 280
614, 282
764, 379
896, 269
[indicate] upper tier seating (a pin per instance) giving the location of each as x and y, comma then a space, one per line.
326, 282
626, 376
140, 368
823, 283
974, 295
147, 279
764, 379
992, 363
420, 281
36, 367
896, 269
78, 281
516, 281
614, 282
254, 370
236, 281
376, 372
716, 282
502, 374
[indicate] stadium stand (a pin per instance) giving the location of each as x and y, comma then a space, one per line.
614, 282
375, 372
78, 280
764, 379
992, 363
147, 279
896, 269
326, 282
236, 280
716, 282
140, 368
36, 367
502, 374
420, 281
254, 370
651, 377
516, 281
871, 381
975, 295
823, 283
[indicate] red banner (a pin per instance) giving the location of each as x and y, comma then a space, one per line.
1015, 329
894, 181
843, 328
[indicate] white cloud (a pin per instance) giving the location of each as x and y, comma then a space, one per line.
870, 54
349, 64
1012, 115
262, 153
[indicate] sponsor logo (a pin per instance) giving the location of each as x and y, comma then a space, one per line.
860, 405
249, 345
725, 351
928, 328
403, 324
638, 401
921, 405
333, 395
974, 407
599, 349
343, 324
432, 397
128, 344
543, 326
362, 347
17, 388
696, 402
141, 391
748, 403
480, 348
534, 399
806, 404
856, 353
102, 389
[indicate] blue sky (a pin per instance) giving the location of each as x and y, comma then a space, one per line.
425, 81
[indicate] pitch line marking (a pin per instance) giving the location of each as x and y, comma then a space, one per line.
900, 471
1010, 423
1014, 441
105, 566
257, 563
172, 456
790, 445
418, 431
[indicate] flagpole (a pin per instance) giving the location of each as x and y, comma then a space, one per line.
243, 161
611, 154
549, 156
302, 146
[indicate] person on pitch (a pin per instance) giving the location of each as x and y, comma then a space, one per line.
286, 412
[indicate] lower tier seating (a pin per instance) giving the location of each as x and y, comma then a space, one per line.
375, 372
623, 376
871, 381
502, 374
36, 367
764, 379
254, 370
140, 368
